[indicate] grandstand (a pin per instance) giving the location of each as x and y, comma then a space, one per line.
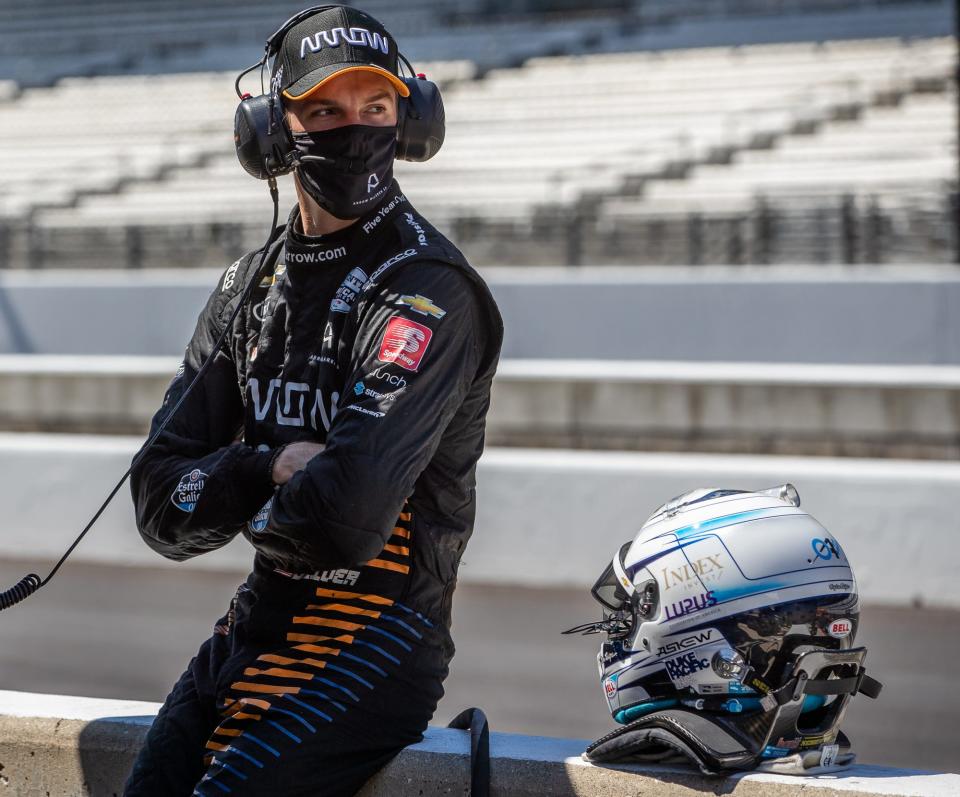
621, 151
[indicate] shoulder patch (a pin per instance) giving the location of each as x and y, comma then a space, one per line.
230, 276
423, 305
404, 342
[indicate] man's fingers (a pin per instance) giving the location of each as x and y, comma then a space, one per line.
293, 458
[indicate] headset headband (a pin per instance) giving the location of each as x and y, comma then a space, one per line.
276, 38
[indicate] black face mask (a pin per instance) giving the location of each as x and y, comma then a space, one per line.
353, 170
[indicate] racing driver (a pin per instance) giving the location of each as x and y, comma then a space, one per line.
338, 430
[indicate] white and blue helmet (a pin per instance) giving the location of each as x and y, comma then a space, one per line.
731, 614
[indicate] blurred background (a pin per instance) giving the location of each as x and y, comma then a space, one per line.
724, 235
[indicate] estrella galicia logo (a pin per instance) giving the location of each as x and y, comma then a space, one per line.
824, 549
359, 388
259, 520
187, 492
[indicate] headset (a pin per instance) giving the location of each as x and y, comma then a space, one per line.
263, 139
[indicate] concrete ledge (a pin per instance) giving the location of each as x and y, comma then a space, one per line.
115, 394
61, 746
755, 408
545, 518
857, 314
751, 408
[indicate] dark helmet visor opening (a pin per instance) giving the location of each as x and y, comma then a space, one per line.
608, 590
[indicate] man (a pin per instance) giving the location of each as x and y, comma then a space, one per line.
338, 430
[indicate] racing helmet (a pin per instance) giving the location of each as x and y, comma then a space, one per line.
729, 625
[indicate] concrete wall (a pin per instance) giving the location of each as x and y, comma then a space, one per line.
545, 517
764, 408
71, 747
823, 314
863, 410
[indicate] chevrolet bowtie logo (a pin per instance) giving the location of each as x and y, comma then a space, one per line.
423, 305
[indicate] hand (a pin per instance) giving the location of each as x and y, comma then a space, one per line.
293, 458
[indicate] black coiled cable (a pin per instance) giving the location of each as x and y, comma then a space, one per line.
24, 588
29, 584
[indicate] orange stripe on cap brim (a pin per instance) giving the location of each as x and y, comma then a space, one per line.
398, 84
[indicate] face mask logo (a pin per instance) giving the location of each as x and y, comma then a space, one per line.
344, 179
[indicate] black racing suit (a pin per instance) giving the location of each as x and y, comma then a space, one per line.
380, 342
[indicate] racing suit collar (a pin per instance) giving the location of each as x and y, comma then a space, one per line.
346, 243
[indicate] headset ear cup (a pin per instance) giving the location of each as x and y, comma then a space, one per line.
263, 142
421, 122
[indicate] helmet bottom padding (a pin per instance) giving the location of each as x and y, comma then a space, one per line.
713, 744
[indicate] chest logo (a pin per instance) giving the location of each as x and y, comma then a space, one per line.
423, 305
293, 403
348, 290
404, 343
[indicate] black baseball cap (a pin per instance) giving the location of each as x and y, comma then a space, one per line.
333, 41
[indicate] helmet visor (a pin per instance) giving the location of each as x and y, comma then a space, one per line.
608, 589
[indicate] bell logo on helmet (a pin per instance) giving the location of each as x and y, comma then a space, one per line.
360, 37
840, 629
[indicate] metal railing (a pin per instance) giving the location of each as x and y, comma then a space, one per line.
847, 228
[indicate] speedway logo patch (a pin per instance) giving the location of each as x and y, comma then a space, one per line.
187, 492
404, 343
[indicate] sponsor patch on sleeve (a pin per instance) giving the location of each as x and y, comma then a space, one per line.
404, 343
259, 521
187, 492
423, 305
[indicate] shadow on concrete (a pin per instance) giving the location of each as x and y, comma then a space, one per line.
17, 339
852, 779
108, 747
